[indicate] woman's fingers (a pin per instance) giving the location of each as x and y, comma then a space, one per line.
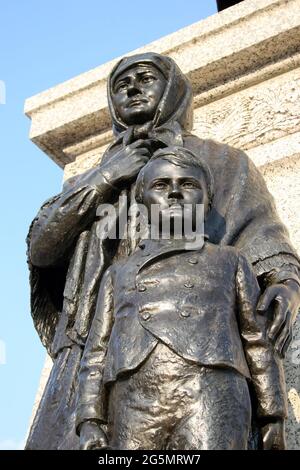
141, 143
285, 336
281, 311
266, 298
287, 344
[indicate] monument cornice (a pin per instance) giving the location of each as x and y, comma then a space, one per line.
220, 56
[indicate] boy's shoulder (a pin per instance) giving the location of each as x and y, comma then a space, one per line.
208, 250
219, 250
220, 254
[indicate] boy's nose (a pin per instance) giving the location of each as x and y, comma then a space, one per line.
175, 192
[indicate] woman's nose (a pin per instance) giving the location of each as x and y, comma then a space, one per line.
133, 89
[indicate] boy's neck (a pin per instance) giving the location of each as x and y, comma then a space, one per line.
200, 242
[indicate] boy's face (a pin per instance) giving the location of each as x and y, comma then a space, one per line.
172, 187
137, 93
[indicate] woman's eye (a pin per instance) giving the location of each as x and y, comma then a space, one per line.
121, 87
147, 79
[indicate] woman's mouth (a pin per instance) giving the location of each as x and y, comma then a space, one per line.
136, 102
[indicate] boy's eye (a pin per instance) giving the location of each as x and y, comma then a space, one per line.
189, 184
159, 185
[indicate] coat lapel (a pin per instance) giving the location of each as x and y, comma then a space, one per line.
156, 249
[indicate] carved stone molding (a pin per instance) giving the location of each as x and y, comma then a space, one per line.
227, 52
255, 116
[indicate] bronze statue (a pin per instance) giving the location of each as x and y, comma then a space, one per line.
175, 336
150, 102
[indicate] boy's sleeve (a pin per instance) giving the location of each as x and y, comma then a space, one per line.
265, 366
91, 398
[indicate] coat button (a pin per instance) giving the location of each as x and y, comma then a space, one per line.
193, 260
141, 288
146, 315
184, 313
189, 285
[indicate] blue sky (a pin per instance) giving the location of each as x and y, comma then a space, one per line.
43, 44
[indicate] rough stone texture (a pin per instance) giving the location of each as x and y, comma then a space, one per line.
244, 65
283, 180
255, 116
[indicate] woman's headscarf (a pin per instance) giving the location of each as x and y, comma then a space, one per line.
174, 113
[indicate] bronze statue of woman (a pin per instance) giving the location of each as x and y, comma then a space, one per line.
151, 106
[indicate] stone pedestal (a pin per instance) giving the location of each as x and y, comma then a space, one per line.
244, 65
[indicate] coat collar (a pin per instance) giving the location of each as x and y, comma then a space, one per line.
151, 250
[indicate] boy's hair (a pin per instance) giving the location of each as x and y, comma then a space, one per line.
181, 157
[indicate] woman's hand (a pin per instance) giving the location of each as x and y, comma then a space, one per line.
124, 166
286, 299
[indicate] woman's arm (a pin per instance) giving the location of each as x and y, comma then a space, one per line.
61, 219
65, 216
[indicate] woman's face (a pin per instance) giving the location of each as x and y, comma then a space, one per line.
137, 92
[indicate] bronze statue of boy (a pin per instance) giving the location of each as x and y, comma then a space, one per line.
176, 339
